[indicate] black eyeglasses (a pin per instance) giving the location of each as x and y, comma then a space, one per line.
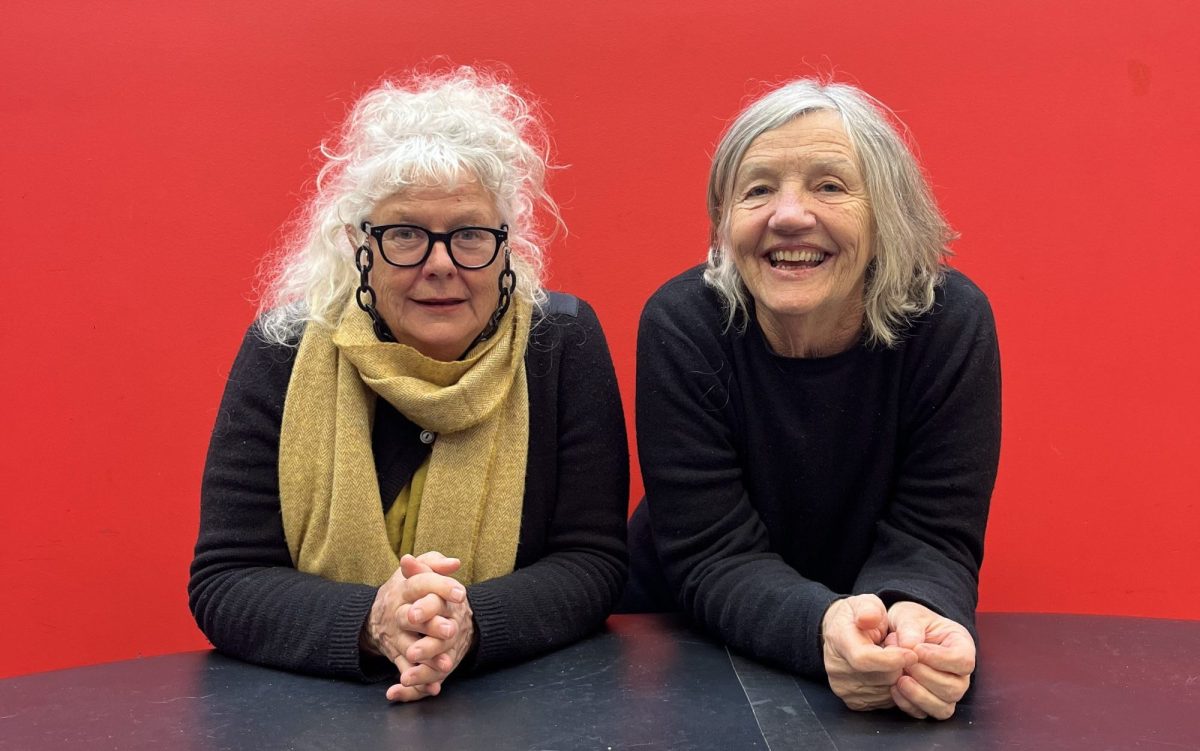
408, 245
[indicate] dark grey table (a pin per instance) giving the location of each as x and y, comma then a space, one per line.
647, 682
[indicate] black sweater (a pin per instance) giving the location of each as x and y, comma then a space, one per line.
776, 485
251, 602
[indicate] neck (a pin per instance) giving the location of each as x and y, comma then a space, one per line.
809, 335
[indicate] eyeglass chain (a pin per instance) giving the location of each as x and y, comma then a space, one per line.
365, 290
507, 284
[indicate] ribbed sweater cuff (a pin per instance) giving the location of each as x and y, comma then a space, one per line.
346, 660
494, 640
812, 660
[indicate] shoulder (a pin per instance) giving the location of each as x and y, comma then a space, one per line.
560, 314
567, 354
686, 305
957, 336
686, 315
685, 294
961, 294
258, 347
563, 327
960, 310
562, 304
256, 388
261, 364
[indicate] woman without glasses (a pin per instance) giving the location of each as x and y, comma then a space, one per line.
818, 412
419, 465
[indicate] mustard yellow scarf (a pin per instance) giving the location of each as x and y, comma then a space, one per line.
475, 487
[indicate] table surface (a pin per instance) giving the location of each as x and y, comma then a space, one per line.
646, 682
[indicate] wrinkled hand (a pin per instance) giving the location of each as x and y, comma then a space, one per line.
437, 612
861, 666
388, 631
945, 653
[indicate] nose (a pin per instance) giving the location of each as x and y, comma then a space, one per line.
439, 263
791, 212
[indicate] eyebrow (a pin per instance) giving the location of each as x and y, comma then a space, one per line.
759, 167
464, 219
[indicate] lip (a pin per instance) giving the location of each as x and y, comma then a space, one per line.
440, 302
796, 273
766, 254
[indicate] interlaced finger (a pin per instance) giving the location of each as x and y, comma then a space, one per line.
426, 607
426, 648
416, 587
401, 693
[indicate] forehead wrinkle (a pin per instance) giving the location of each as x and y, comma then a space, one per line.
833, 162
471, 217
464, 203
818, 137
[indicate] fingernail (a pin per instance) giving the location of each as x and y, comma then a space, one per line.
458, 593
416, 613
446, 631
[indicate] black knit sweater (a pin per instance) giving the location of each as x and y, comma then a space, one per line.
251, 602
776, 485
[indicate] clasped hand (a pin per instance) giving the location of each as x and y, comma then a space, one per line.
906, 656
421, 621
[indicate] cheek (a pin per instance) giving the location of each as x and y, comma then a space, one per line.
743, 247
485, 292
739, 233
391, 285
741, 258
864, 230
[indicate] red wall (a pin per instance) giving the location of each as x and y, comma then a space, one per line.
152, 150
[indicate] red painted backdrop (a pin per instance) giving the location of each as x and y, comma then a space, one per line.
151, 152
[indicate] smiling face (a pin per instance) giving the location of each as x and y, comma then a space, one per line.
800, 232
437, 308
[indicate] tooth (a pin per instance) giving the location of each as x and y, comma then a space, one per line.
797, 256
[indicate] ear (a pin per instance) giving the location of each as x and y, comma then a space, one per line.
354, 236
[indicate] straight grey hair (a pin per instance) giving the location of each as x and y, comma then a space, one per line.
430, 130
910, 238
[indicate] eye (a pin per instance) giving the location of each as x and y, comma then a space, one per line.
403, 233
830, 187
756, 191
469, 234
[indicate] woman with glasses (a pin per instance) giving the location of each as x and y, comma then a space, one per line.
818, 412
419, 465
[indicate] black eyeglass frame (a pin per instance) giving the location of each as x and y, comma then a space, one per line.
501, 236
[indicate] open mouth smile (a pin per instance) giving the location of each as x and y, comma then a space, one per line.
796, 259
